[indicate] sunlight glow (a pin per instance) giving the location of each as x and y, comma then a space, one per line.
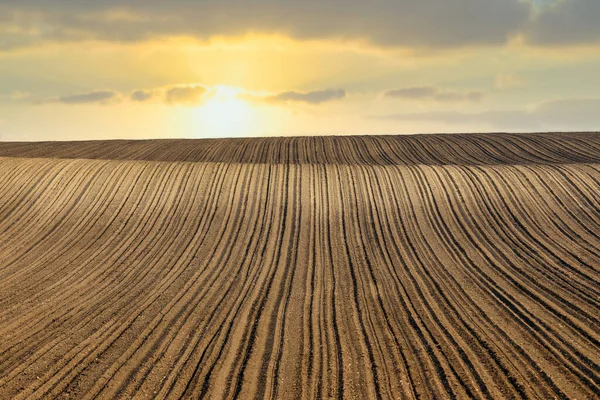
224, 114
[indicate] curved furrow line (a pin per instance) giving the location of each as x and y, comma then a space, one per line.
537, 247
521, 217
483, 235
69, 209
124, 247
568, 225
430, 259
186, 353
149, 303
435, 217
337, 389
181, 262
374, 318
376, 250
194, 376
68, 359
448, 284
379, 238
225, 245
31, 212
515, 239
360, 320
583, 193
72, 240
531, 321
261, 304
192, 383
434, 299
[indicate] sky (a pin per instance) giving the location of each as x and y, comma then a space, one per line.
133, 69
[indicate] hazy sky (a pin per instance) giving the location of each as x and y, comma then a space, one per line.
92, 69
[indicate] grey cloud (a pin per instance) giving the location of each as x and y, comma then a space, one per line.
314, 97
565, 114
193, 95
415, 23
179, 94
188, 95
435, 94
416, 92
142, 95
419, 23
101, 96
566, 22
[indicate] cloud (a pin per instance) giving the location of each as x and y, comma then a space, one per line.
556, 115
416, 92
412, 23
314, 97
435, 94
142, 95
195, 94
101, 96
566, 22
505, 81
186, 95
399, 23
170, 95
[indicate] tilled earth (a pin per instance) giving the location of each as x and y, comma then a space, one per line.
433, 266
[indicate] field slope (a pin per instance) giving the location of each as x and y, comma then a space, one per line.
374, 267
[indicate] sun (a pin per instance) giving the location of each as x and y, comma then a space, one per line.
225, 114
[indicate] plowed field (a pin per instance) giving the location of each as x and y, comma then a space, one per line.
433, 266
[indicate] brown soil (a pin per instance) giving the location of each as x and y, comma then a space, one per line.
356, 267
